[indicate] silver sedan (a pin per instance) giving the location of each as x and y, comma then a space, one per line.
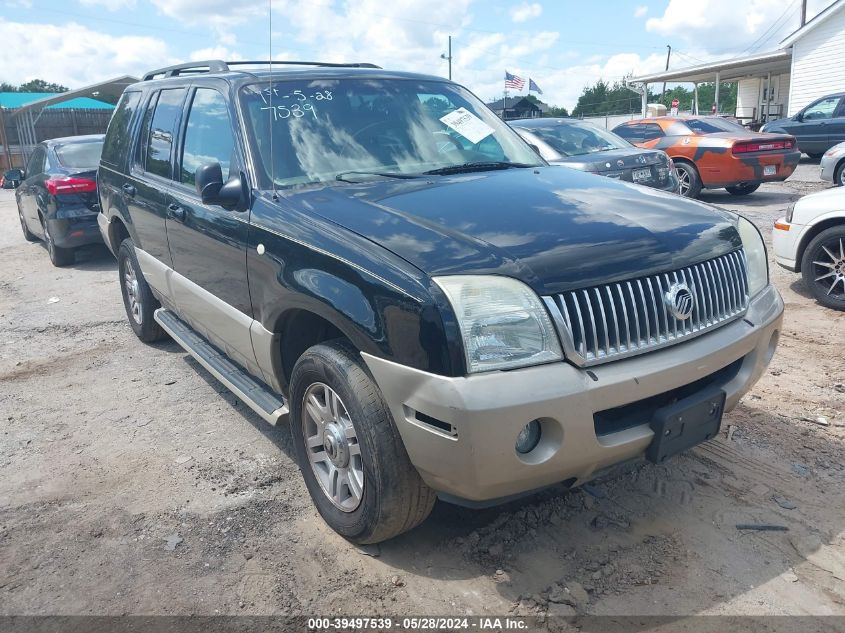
833, 165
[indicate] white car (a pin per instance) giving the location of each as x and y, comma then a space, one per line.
833, 165
811, 240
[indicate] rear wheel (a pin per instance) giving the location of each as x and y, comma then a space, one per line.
28, 235
58, 255
823, 267
743, 190
350, 453
690, 181
138, 299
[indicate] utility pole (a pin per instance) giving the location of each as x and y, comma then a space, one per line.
803, 12
668, 54
449, 57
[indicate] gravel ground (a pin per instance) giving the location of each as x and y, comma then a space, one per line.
131, 482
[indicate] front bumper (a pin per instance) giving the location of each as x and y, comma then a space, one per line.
828, 165
72, 232
785, 243
460, 433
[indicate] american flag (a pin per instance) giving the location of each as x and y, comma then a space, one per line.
512, 81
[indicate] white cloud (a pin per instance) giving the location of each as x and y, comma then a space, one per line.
526, 11
718, 28
77, 55
111, 5
640, 11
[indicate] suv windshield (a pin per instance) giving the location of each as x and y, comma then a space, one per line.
575, 139
323, 129
77, 155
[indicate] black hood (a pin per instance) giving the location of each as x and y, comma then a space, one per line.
614, 159
552, 228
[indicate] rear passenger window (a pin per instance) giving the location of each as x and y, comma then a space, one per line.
208, 137
159, 141
631, 133
120, 129
651, 131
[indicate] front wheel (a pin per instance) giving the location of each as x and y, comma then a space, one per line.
138, 299
839, 178
823, 267
743, 190
352, 458
690, 181
28, 235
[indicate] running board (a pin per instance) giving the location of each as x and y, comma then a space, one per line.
257, 396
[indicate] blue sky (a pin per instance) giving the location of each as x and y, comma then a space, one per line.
563, 45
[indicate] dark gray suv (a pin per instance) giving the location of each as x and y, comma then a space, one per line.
818, 127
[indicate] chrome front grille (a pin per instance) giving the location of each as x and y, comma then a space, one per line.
616, 320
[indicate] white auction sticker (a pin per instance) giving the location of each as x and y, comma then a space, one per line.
467, 125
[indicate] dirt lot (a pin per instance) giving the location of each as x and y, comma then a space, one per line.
132, 482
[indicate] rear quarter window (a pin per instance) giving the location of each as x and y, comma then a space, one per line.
119, 133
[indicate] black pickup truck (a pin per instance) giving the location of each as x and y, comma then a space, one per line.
376, 257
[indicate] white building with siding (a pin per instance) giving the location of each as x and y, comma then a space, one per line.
807, 65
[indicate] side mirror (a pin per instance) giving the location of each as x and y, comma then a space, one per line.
13, 175
535, 148
798, 117
212, 190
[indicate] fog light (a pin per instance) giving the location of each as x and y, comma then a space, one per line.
528, 437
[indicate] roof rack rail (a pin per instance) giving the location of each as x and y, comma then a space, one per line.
296, 63
219, 66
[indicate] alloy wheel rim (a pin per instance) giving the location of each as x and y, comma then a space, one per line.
130, 282
332, 447
830, 268
684, 179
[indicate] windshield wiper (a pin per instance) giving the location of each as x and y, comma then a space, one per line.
386, 174
478, 166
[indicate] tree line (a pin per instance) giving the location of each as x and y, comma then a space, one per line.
34, 85
605, 98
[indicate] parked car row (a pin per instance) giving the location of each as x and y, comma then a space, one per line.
435, 309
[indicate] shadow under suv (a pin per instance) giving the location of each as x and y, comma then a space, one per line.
376, 257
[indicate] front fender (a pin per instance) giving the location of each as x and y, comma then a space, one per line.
380, 302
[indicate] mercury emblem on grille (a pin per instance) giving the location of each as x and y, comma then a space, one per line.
680, 301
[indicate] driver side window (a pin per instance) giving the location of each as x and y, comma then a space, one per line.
824, 109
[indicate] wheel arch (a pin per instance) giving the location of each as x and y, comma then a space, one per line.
811, 233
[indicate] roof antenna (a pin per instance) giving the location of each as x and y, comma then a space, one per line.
270, 121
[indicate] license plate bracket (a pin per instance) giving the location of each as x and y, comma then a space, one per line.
643, 173
770, 170
685, 423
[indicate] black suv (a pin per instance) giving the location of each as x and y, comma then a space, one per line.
437, 311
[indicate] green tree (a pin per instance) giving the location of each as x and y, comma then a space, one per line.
34, 85
605, 98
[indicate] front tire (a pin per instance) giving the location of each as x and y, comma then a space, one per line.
138, 299
352, 458
690, 181
839, 177
823, 267
743, 190
28, 235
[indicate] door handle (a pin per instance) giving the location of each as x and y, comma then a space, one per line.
175, 211
129, 190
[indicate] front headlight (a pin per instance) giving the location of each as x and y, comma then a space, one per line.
755, 255
503, 323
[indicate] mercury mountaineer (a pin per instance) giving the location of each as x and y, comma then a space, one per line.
377, 258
